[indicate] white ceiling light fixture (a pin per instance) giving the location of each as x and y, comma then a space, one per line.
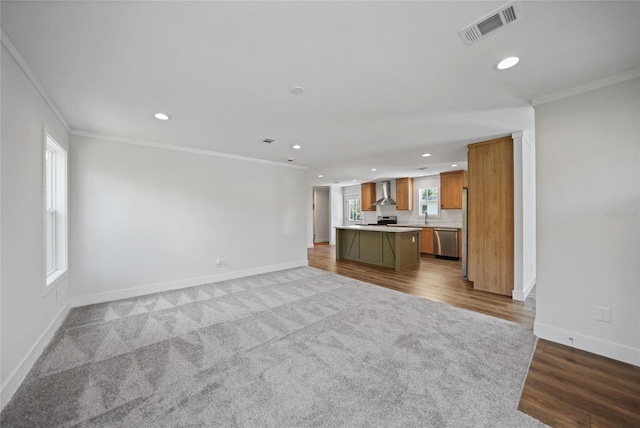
453, 165
297, 90
373, 169
162, 116
320, 175
426, 155
296, 147
508, 63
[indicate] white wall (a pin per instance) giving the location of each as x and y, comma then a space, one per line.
529, 265
337, 211
309, 227
28, 318
588, 212
524, 205
146, 219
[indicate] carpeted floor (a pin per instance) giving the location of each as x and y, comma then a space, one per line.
295, 348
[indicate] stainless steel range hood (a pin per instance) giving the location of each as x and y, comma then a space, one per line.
386, 199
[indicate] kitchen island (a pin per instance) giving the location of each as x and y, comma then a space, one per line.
394, 247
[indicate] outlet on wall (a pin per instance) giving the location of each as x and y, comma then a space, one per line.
603, 313
218, 263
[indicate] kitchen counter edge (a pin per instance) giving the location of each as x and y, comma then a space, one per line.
392, 229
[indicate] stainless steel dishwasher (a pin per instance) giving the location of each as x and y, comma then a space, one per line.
445, 242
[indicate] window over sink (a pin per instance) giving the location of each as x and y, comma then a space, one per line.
429, 201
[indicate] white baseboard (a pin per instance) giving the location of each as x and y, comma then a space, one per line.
615, 351
522, 295
17, 376
127, 293
529, 287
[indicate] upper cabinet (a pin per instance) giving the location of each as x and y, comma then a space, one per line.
451, 184
404, 194
368, 193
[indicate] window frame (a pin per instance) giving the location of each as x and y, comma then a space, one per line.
55, 212
436, 202
347, 211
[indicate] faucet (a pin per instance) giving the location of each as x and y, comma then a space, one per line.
426, 217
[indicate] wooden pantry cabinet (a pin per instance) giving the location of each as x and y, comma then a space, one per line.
404, 194
451, 184
368, 195
490, 217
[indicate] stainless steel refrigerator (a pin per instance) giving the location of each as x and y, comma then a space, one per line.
465, 233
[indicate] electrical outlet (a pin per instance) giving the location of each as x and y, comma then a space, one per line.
218, 263
603, 313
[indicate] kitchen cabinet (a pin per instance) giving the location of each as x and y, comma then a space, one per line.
426, 240
451, 184
491, 217
368, 194
395, 247
404, 194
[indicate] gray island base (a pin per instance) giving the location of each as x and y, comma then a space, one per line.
393, 247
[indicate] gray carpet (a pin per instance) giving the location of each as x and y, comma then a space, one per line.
296, 348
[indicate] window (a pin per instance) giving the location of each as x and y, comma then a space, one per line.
354, 210
429, 201
55, 184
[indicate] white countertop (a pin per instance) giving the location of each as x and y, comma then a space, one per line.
392, 229
432, 224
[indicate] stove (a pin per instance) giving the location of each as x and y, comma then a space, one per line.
384, 220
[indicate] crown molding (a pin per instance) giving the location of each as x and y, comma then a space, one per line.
587, 87
6, 41
151, 144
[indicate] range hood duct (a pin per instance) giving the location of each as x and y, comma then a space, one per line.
386, 199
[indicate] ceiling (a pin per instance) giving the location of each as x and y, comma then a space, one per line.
384, 81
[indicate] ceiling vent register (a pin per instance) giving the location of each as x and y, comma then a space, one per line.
497, 19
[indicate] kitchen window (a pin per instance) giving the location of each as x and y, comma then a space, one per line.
55, 186
428, 200
354, 209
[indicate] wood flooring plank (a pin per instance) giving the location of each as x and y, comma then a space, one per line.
549, 409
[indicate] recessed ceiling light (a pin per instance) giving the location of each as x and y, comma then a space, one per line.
373, 169
162, 116
508, 62
290, 160
355, 181
297, 90
426, 155
453, 165
296, 146
320, 176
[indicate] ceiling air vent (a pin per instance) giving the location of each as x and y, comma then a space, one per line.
268, 140
497, 19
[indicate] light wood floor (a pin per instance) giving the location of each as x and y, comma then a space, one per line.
565, 387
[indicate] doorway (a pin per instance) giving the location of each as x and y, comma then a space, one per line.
321, 215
